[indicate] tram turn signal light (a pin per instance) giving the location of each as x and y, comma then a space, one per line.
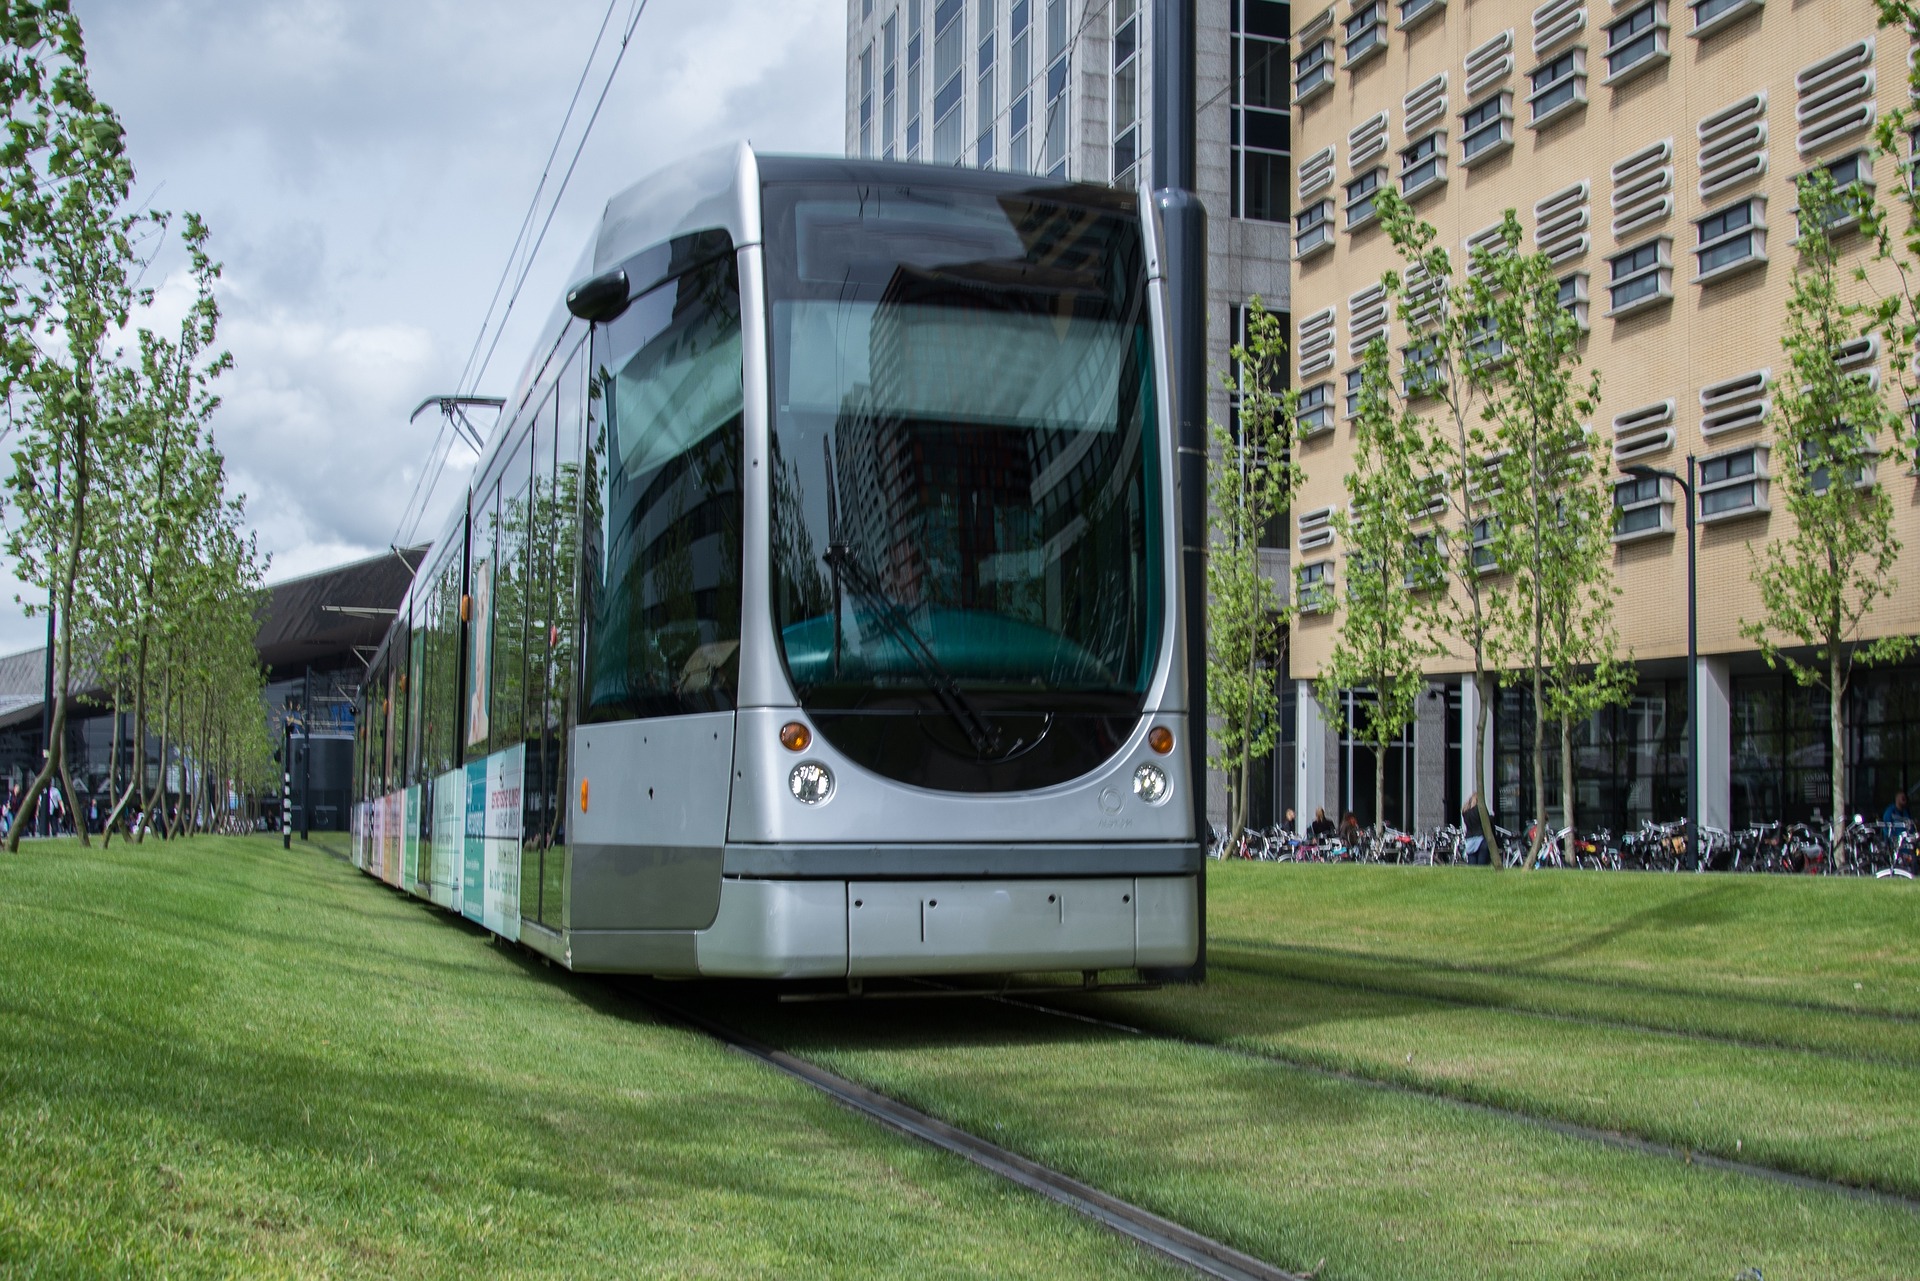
583, 796
795, 737
1160, 739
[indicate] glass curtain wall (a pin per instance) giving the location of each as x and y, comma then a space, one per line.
1781, 749
1629, 763
1259, 136
1358, 766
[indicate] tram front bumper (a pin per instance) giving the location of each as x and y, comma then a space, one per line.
870, 928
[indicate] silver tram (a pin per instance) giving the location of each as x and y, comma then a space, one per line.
816, 609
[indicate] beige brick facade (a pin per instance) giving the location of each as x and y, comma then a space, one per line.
1768, 92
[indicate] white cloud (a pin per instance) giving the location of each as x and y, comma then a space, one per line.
363, 166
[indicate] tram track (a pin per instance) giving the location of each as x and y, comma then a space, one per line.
1617, 1140
1202, 1255
1559, 1016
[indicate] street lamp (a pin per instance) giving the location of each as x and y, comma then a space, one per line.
1640, 471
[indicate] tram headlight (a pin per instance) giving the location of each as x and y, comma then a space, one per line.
811, 782
1150, 783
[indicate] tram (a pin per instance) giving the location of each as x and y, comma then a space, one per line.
815, 611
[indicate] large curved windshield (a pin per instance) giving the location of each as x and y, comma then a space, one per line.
964, 516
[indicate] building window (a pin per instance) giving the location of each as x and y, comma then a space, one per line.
1126, 92
985, 113
1486, 127
1360, 196
1629, 763
1485, 346
1711, 15
1020, 73
1731, 238
1637, 40
1642, 509
866, 101
1313, 70
1852, 176
1733, 484
949, 61
1573, 298
1412, 11
1314, 413
889, 85
914, 40
1424, 164
1356, 383
1054, 141
1420, 373
1366, 29
1258, 126
1558, 86
1781, 749
1313, 228
1314, 585
1480, 534
1640, 277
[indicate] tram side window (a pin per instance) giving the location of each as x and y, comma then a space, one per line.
446, 642
486, 522
664, 638
510, 587
416, 683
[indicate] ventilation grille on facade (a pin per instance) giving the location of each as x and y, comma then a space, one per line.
1423, 296
1642, 188
1316, 529
1557, 20
1316, 172
1560, 223
1366, 140
1734, 403
1489, 64
1366, 319
1643, 431
1487, 239
1733, 146
1316, 342
1425, 105
1836, 96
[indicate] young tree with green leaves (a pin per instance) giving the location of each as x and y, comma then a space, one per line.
1819, 583
1552, 515
1440, 366
1896, 312
1254, 480
1383, 642
66, 286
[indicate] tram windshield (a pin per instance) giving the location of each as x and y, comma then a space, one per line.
965, 513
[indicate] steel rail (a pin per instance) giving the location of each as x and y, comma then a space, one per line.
1203, 1255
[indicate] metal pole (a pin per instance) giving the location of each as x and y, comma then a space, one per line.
286, 780
1693, 681
306, 757
1183, 222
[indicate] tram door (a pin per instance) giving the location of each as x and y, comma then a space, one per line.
662, 600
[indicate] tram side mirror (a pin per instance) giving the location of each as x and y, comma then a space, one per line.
599, 299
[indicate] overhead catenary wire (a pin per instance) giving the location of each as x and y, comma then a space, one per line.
470, 375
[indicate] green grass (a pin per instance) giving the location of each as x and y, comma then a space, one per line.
220, 1059
1296, 1167
1540, 999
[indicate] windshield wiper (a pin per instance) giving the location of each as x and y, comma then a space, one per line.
870, 592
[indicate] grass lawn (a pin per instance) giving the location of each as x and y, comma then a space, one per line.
220, 1059
1773, 1028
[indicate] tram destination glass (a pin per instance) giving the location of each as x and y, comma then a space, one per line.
965, 495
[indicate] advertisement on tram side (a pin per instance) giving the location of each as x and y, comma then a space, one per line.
506, 772
449, 838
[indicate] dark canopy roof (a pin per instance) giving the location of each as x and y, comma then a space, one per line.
296, 629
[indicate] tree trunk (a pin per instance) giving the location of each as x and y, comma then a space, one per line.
1539, 839
1379, 786
1483, 686
1837, 722
1566, 784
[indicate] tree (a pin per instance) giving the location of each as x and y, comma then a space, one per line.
66, 286
1896, 314
1382, 641
1819, 585
1254, 479
1440, 364
1551, 517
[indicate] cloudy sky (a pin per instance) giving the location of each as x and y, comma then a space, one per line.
364, 166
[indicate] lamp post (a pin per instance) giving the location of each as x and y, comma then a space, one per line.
1642, 472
